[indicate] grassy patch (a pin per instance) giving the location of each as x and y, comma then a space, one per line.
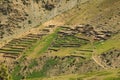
68, 40
108, 44
103, 46
112, 78
42, 73
42, 45
46, 42
33, 63
97, 73
15, 75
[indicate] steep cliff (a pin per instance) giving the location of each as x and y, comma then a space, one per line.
20, 15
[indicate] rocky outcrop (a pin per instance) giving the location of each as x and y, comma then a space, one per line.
18, 15
111, 58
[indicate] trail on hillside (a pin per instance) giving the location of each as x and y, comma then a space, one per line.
95, 58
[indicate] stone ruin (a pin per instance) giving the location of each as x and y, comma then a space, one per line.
87, 30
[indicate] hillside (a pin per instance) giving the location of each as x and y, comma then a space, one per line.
18, 16
81, 42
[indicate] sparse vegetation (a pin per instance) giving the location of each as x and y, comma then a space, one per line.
29, 22
4, 75
42, 73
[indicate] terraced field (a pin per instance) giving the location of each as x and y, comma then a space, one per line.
85, 47
19, 46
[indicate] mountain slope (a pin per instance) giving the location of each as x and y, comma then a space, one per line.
20, 16
79, 44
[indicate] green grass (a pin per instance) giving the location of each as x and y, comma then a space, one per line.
11, 50
47, 42
43, 73
103, 46
72, 79
17, 69
42, 45
112, 78
98, 75
69, 40
70, 60
15, 75
33, 63
113, 42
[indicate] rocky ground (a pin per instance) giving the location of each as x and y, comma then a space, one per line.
19, 16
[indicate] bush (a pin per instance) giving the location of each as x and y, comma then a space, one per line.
4, 73
29, 22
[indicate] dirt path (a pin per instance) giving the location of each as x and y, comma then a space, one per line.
95, 58
53, 22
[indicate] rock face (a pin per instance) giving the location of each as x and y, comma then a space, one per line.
18, 15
